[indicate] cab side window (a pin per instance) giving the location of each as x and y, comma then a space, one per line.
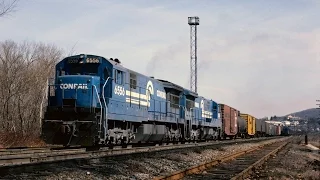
118, 76
133, 81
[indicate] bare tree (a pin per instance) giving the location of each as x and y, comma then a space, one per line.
7, 6
24, 70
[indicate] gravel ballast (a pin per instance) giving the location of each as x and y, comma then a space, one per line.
143, 166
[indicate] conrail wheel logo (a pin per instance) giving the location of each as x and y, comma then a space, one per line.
74, 86
149, 92
202, 104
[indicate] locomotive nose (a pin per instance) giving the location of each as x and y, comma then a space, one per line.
81, 91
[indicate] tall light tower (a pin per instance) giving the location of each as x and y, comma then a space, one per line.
193, 22
318, 108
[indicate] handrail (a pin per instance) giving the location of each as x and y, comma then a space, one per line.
105, 125
100, 106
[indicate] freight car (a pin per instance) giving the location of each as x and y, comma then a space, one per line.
250, 124
96, 101
229, 117
285, 131
260, 128
273, 128
242, 127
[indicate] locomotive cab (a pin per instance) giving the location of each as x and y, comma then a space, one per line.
77, 85
76, 101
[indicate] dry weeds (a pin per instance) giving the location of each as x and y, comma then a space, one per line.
314, 140
294, 162
9, 140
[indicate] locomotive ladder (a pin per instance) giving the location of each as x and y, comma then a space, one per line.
100, 116
188, 123
104, 118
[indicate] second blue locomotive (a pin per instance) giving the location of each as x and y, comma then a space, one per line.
97, 101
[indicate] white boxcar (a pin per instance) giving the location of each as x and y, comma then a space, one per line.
260, 126
270, 128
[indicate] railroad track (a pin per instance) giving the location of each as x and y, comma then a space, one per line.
234, 166
25, 150
45, 155
262, 171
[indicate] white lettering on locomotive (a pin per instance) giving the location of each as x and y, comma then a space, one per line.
119, 90
161, 94
74, 86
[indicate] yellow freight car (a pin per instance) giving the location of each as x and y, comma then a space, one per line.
250, 123
254, 125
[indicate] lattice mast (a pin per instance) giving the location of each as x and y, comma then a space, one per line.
193, 22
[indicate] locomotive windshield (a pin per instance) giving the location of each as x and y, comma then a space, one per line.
83, 69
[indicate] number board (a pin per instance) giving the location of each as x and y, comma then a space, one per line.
73, 61
92, 60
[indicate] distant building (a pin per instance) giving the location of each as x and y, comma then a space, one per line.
291, 118
287, 123
294, 123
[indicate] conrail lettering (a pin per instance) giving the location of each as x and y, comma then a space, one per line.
74, 86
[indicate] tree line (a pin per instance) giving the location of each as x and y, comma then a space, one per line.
24, 70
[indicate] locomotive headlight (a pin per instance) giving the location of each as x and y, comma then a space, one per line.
88, 81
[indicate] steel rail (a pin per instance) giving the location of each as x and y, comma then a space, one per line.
34, 158
198, 168
245, 173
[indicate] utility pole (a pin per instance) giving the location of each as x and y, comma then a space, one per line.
318, 109
193, 23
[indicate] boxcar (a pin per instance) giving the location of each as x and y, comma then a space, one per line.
285, 131
270, 128
260, 128
278, 129
229, 121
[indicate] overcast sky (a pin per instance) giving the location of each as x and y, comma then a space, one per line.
261, 57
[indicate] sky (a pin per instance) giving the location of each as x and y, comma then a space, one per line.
260, 57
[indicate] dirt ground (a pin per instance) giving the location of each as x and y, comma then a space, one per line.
296, 161
314, 139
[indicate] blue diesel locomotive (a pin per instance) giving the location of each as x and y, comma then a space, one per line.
96, 101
